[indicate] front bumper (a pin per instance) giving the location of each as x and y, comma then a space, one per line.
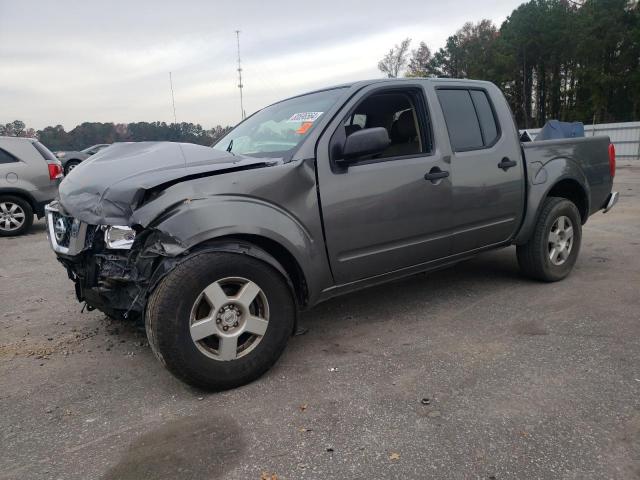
612, 199
104, 279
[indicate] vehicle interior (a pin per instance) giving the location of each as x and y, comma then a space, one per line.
398, 114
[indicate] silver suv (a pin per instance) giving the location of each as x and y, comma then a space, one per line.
29, 178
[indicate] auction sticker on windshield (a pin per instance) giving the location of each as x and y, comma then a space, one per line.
305, 117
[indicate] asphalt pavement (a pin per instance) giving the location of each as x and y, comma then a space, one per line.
470, 373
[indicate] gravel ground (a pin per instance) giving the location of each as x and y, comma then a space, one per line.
523, 379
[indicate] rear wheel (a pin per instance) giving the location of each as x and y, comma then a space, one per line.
16, 216
71, 164
220, 320
553, 248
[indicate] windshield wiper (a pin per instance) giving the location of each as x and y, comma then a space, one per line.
230, 147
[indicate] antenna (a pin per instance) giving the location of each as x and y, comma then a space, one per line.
240, 76
173, 100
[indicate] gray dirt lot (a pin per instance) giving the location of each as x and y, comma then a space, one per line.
525, 380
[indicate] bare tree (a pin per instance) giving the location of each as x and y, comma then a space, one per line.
394, 61
419, 63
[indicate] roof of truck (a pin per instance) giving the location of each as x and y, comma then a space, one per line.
362, 83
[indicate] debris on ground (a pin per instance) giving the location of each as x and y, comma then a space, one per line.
394, 456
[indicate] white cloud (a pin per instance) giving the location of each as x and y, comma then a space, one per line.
80, 61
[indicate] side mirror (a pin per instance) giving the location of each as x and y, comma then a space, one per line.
367, 141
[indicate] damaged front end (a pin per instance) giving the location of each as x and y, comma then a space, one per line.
112, 272
114, 260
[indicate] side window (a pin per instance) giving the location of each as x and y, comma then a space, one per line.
461, 118
470, 119
401, 113
360, 119
354, 122
6, 157
485, 115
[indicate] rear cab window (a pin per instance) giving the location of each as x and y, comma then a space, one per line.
470, 118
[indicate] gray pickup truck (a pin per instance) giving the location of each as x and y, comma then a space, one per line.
219, 249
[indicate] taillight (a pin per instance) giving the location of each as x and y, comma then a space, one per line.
55, 171
612, 160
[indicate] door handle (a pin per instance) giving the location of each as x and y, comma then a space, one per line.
436, 174
506, 164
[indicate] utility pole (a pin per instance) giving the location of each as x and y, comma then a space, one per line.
243, 115
173, 101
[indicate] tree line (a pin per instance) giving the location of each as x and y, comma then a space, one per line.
553, 59
91, 133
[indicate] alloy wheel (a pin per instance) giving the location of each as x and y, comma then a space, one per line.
229, 318
12, 216
560, 240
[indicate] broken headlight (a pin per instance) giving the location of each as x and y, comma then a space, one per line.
119, 237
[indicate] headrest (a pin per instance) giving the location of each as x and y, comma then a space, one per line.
404, 128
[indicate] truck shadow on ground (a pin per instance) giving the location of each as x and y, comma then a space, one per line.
192, 447
484, 274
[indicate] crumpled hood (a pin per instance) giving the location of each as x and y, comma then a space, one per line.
104, 189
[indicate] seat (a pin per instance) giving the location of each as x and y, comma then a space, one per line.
404, 136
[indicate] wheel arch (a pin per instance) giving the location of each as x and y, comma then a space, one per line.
16, 192
573, 191
568, 182
266, 250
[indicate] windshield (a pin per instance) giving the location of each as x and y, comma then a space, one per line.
277, 130
92, 149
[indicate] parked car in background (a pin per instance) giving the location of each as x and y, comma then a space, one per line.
312, 197
29, 178
71, 159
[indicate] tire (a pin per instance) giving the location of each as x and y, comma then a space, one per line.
70, 165
187, 294
16, 216
536, 258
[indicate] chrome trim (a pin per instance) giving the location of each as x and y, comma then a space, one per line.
77, 235
611, 201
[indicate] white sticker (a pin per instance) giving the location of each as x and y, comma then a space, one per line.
305, 117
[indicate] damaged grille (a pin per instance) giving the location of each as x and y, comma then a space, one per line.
67, 235
62, 229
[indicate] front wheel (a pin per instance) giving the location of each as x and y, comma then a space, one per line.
220, 320
553, 248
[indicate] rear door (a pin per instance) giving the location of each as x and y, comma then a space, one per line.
381, 214
487, 174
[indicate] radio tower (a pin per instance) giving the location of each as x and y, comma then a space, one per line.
240, 76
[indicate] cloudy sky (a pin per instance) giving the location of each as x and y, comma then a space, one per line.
67, 61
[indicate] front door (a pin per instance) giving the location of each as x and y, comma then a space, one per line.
381, 214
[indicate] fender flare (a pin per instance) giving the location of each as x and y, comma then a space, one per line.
558, 169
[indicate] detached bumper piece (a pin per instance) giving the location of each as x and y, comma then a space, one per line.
612, 199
